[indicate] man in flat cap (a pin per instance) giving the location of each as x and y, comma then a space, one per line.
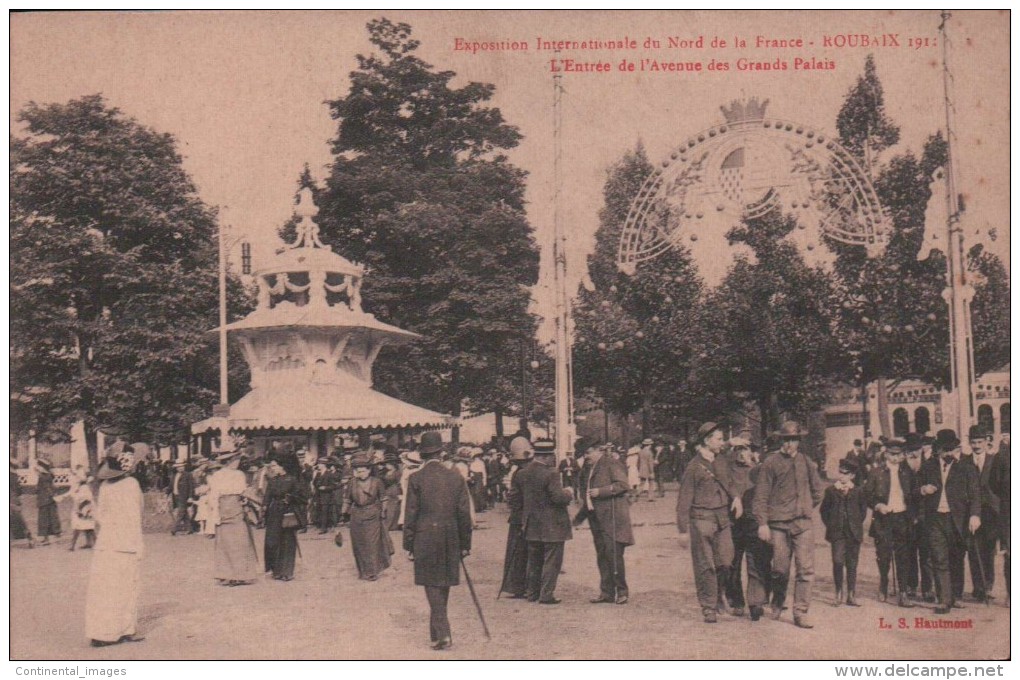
951, 499
890, 495
546, 521
787, 491
706, 498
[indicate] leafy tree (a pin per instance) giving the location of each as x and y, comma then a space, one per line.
113, 276
765, 334
633, 348
989, 311
420, 192
894, 320
862, 124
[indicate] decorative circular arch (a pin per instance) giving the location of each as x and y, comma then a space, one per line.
744, 168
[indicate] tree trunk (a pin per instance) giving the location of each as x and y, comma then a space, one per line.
499, 424
455, 435
768, 411
883, 406
92, 446
646, 416
625, 430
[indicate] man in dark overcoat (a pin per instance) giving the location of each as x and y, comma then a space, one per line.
981, 551
546, 522
437, 533
49, 518
998, 482
890, 494
603, 498
515, 559
183, 492
951, 500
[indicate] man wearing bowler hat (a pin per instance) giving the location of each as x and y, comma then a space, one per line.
981, 551
437, 533
787, 491
546, 521
603, 495
951, 499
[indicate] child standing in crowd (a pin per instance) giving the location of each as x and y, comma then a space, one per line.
843, 509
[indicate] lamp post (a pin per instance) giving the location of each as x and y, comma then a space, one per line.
223, 408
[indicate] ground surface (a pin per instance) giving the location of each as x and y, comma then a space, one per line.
327, 613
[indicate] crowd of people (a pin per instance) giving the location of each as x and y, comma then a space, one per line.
740, 507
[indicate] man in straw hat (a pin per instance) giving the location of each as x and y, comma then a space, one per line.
603, 494
706, 497
546, 521
951, 500
437, 533
111, 605
49, 517
786, 493
515, 558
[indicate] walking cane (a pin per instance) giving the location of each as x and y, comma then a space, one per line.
474, 598
895, 574
616, 590
981, 566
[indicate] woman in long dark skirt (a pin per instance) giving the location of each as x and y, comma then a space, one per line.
19, 528
284, 497
369, 541
49, 518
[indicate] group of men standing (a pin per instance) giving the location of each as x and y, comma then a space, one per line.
540, 524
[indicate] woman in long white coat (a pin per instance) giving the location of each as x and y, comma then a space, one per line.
111, 605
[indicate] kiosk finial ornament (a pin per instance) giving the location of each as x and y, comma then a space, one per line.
307, 230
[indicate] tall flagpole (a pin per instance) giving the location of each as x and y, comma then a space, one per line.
564, 396
958, 293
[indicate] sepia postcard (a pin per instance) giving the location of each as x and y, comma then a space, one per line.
729, 290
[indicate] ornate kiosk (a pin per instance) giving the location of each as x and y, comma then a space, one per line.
310, 349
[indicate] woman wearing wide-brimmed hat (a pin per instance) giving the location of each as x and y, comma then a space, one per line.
45, 494
364, 503
19, 528
236, 562
111, 606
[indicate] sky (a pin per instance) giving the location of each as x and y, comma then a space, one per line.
244, 93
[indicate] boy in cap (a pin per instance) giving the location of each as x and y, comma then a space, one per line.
843, 509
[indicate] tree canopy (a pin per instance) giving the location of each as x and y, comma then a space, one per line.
420, 192
113, 269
